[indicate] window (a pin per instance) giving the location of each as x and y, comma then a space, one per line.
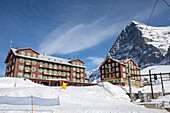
74, 68
77, 69
81, 80
28, 61
20, 74
50, 65
123, 69
45, 64
60, 67
110, 75
13, 67
68, 79
109, 70
113, 75
33, 69
113, 64
117, 64
124, 75
109, 65
74, 74
68, 73
20, 67
113, 69
117, 75
103, 76
34, 62
78, 80
14, 60
40, 70
86, 81
59, 72
21, 60
102, 67
40, 76
106, 66
81, 75
73, 79
28, 54
26, 75
22, 53
109, 60
68, 67
102, 71
82, 70
117, 69
34, 55
32, 75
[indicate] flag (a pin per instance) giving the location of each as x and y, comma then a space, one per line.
64, 85
11, 42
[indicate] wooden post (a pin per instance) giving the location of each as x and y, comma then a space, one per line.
151, 84
32, 102
5, 103
59, 103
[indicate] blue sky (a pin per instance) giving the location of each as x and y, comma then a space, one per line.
72, 28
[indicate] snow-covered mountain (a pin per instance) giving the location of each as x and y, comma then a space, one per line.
147, 45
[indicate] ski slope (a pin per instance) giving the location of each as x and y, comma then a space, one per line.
104, 98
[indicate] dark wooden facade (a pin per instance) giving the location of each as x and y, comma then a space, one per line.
116, 71
27, 63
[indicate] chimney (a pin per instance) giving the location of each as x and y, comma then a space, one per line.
68, 58
16, 47
45, 54
77, 57
123, 61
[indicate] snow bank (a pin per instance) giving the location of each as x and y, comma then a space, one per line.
9, 82
117, 92
156, 69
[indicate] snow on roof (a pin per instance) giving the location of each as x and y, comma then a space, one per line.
46, 58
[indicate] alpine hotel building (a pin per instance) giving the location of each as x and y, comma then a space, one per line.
43, 69
116, 71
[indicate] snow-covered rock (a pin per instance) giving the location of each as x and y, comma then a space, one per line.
147, 45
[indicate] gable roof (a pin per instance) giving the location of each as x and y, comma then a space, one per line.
29, 49
111, 59
42, 57
78, 60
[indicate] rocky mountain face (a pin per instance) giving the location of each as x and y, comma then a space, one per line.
146, 45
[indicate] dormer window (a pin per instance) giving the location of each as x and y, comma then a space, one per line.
29, 54
22, 53
34, 55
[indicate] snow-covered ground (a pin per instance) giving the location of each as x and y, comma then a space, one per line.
104, 98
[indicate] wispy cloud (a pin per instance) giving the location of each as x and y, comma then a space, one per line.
64, 40
95, 60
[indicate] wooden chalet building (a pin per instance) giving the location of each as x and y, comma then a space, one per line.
43, 69
116, 71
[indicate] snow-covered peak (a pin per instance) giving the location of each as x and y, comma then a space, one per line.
159, 37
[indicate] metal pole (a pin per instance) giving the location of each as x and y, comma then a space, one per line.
162, 85
151, 84
130, 92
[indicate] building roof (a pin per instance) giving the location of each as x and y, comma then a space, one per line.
43, 57
118, 61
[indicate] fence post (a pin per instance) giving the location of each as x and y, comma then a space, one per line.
32, 102
5, 103
59, 103
162, 85
151, 84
